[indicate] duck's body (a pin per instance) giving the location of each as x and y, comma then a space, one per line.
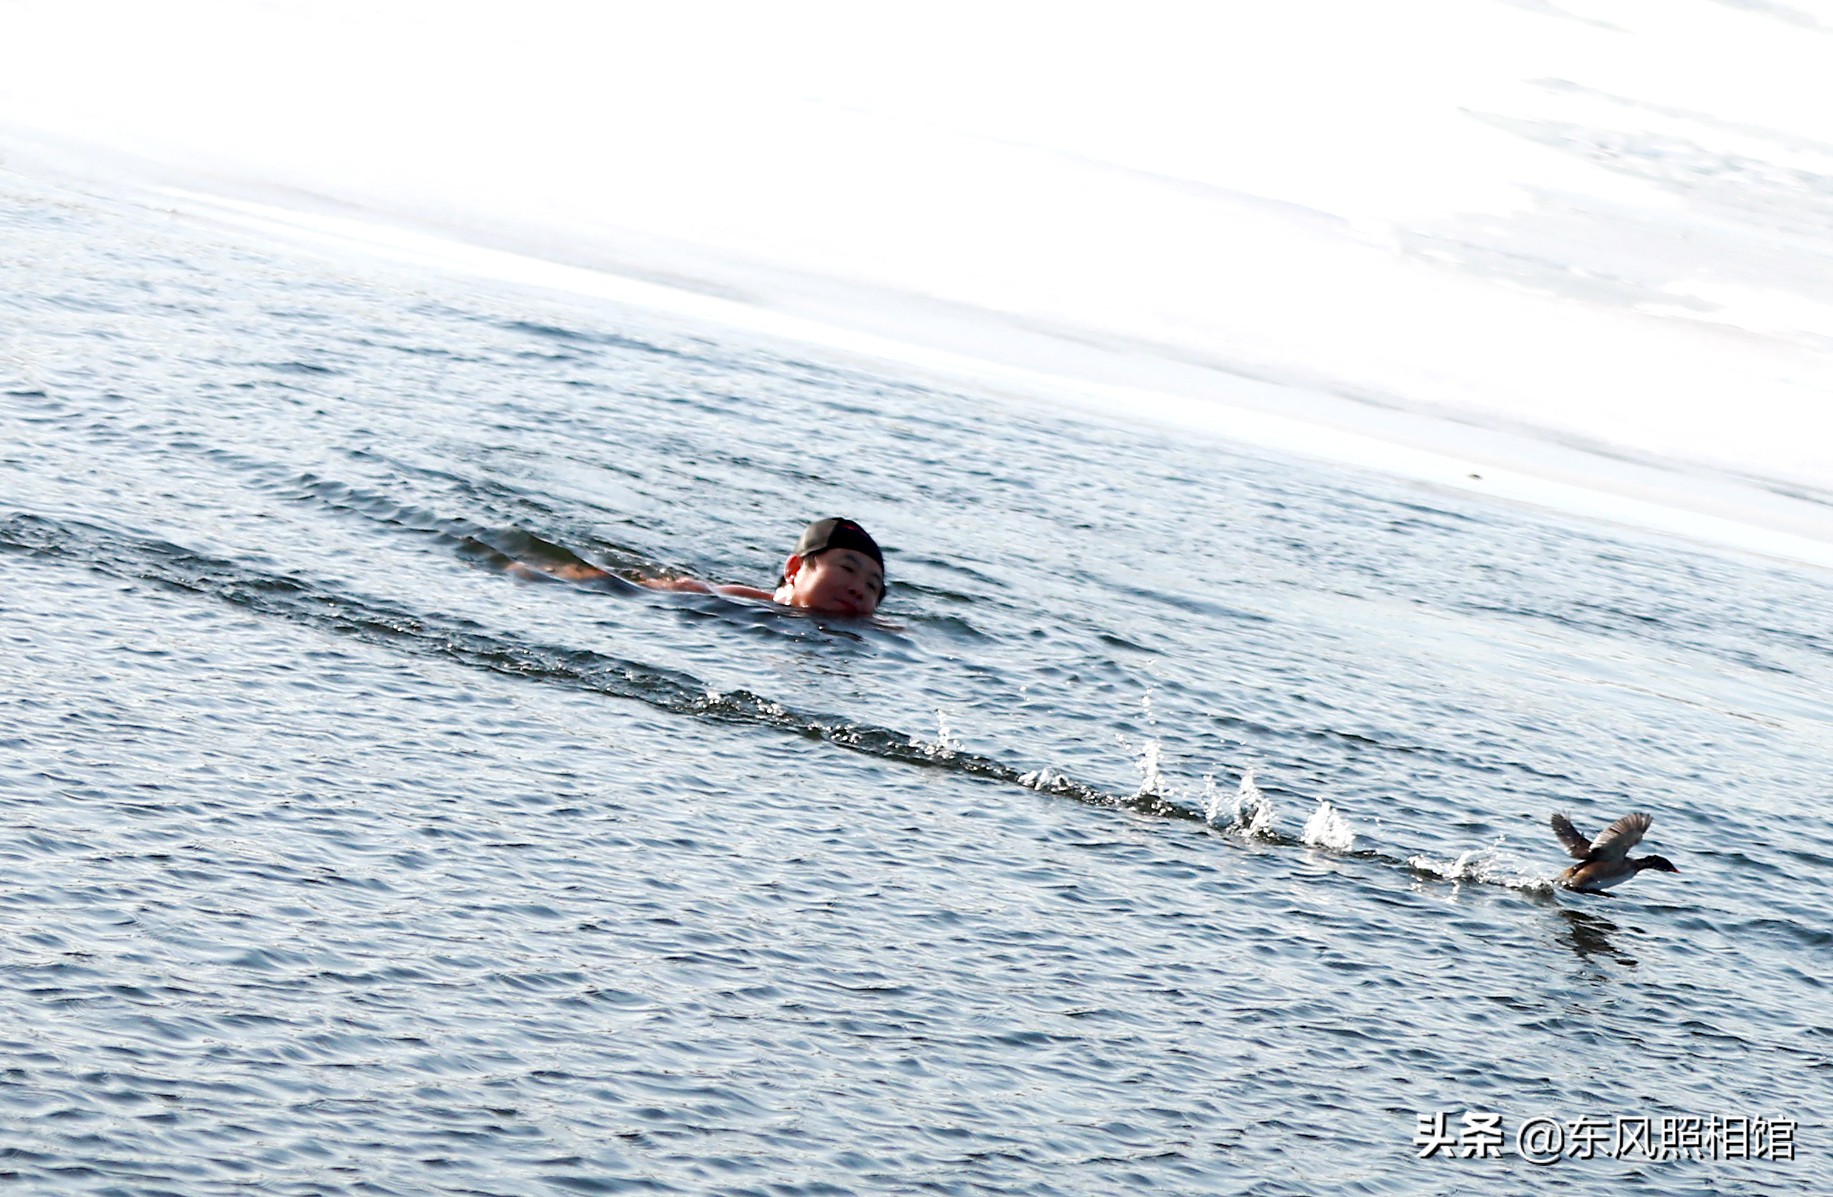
1605, 861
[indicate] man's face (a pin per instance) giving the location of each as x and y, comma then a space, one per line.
837, 582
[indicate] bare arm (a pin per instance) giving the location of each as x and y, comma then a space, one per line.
558, 573
696, 586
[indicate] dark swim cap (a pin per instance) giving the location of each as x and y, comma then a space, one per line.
838, 533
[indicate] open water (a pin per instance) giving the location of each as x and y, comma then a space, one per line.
1179, 824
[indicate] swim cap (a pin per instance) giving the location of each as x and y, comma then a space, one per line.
838, 533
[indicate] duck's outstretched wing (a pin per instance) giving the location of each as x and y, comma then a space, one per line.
1575, 843
1615, 841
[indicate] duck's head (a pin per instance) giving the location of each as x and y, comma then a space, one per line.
1660, 864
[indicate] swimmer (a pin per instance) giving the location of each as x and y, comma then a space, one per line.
836, 569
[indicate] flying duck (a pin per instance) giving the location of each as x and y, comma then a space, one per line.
1605, 861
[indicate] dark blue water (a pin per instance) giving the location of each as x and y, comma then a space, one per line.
336, 860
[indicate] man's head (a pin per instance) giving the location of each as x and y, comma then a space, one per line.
837, 568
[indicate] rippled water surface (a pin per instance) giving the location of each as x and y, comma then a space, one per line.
1180, 823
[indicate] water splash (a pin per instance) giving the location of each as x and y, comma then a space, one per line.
1151, 776
1253, 810
1327, 828
1485, 866
1153, 787
1045, 779
1212, 800
946, 738
947, 745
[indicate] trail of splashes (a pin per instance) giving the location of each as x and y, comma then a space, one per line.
302, 601
1327, 828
